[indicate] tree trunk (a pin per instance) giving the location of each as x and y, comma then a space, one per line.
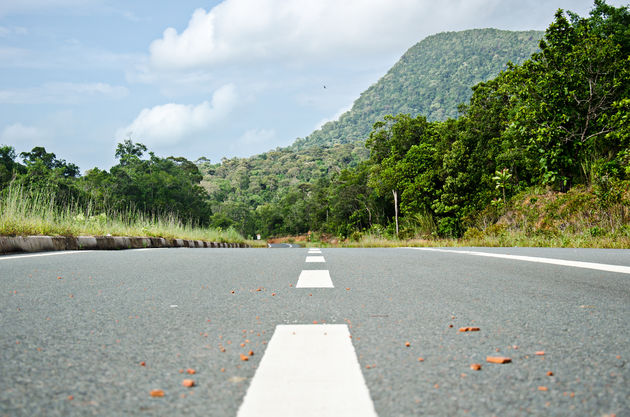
396, 209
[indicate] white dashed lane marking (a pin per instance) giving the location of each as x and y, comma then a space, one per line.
308, 370
315, 259
310, 278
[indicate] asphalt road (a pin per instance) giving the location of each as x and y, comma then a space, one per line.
74, 329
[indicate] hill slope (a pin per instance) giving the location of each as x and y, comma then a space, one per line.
432, 78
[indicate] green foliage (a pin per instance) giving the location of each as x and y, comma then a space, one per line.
29, 211
432, 78
560, 119
154, 186
564, 97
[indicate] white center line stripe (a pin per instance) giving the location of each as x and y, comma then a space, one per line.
315, 259
314, 279
308, 370
314, 251
578, 264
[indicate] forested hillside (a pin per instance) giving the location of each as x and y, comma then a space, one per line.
557, 124
432, 78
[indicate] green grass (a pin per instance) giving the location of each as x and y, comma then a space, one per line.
509, 239
24, 213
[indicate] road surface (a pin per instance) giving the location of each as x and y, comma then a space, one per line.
93, 333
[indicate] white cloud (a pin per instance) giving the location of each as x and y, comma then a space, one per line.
257, 136
18, 133
62, 93
302, 30
172, 123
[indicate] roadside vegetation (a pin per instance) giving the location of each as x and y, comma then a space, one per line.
25, 212
551, 133
154, 197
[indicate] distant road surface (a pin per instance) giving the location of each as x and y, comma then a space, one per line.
330, 332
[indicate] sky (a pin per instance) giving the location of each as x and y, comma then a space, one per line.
211, 78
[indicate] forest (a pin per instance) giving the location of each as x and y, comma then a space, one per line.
547, 132
551, 129
153, 186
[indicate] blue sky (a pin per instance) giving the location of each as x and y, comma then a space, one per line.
210, 78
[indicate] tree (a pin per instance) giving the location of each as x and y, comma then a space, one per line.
389, 142
564, 95
502, 179
128, 151
8, 167
38, 159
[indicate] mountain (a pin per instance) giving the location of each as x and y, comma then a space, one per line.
432, 78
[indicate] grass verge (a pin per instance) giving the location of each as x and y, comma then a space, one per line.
511, 239
24, 212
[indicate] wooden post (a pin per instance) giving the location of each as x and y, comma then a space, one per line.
396, 209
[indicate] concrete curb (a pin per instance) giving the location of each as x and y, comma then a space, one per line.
10, 244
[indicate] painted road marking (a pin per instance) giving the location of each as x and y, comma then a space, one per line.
3, 258
308, 370
578, 264
315, 259
315, 252
314, 279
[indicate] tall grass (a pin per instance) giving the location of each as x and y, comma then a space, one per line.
507, 239
26, 212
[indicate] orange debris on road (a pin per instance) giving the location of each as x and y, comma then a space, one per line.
469, 329
498, 359
157, 393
